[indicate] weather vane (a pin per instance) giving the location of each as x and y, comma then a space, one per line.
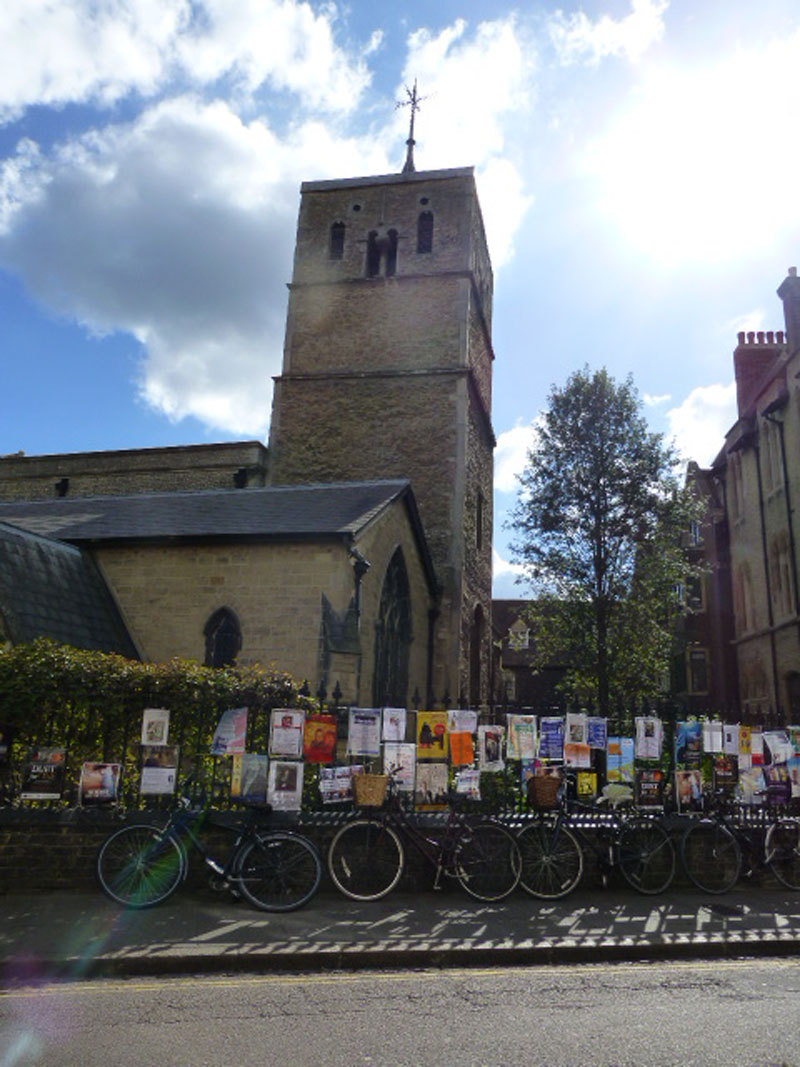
413, 102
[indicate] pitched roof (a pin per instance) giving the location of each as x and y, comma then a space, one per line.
49, 589
277, 512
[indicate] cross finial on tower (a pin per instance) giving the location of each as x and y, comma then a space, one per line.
413, 102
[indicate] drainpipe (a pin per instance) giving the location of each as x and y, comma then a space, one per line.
360, 568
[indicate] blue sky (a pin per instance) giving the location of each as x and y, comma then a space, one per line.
636, 162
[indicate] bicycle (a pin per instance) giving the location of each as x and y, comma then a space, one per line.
367, 855
141, 865
714, 846
553, 847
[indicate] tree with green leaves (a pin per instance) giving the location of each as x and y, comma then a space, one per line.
599, 524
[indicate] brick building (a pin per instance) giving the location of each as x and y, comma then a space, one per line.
357, 547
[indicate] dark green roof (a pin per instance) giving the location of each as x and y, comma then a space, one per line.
49, 589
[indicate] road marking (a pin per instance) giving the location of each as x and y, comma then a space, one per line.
102, 987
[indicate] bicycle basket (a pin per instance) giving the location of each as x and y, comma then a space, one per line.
543, 790
369, 790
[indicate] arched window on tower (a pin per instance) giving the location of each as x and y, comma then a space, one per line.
223, 636
337, 240
393, 637
425, 231
381, 253
476, 638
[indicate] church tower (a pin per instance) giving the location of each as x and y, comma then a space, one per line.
387, 373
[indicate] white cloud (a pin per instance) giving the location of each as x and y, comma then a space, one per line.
177, 228
651, 401
749, 321
675, 172
504, 577
578, 37
59, 51
511, 456
700, 423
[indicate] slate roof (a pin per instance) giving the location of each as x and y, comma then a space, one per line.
49, 589
277, 512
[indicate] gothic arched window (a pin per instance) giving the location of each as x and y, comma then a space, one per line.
223, 638
393, 637
476, 638
337, 240
381, 253
425, 231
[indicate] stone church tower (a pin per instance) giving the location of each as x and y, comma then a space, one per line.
387, 373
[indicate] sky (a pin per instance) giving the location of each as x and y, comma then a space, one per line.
636, 162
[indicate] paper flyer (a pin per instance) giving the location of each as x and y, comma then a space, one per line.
745, 741
777, 746
99, 783
430, 792
551, 738
286, 733
394, 724
285, 788
399, 760
432, 735
249, 778
43, 774
462, 752
713, 740
336, 783
155, 726
364, 732
597, 732
468, 783
756, 747
688, 790
229, 736
490, 748
319, 738
576, 731
688, 744
521, 738
462, 720
577, 755
751, 785
159, 770
725, 770
586, 785
649, 735
620, 760
730, 740
650, 788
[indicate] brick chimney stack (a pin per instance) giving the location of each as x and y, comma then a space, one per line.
789, 293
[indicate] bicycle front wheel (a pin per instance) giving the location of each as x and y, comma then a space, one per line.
365, 859
139, 866
782, 851
646, 856
552, 860
278, 871
711, 857
487, 861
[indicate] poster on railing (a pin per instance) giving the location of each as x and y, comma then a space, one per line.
725, 771
688, 790
793, 732
399, 760
462, 750
286, 733
586, 785
793, 768
364, 732
432, 735
649, 788
751, 785
577, 755
688, 744
777, 746
490, 748
778, 783
336, 783
551, 737
730, 739
619, 760
319, 738
745, 748
229, 736
285, 788
249, 778
649, 737
430, 790
462, 721
155, 726
394, 724
713, 736
756, 747
99, 783
159, 770
597, 732
576, 744
468, 783
43, 774
521, 737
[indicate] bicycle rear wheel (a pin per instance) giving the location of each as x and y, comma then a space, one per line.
782, 851
278, 871
646, 856
711, 857
487, 861
552, 860
365, 859
139, 866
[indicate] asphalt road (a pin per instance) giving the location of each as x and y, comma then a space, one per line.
732, 1013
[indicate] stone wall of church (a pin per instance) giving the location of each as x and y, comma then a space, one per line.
140, 470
